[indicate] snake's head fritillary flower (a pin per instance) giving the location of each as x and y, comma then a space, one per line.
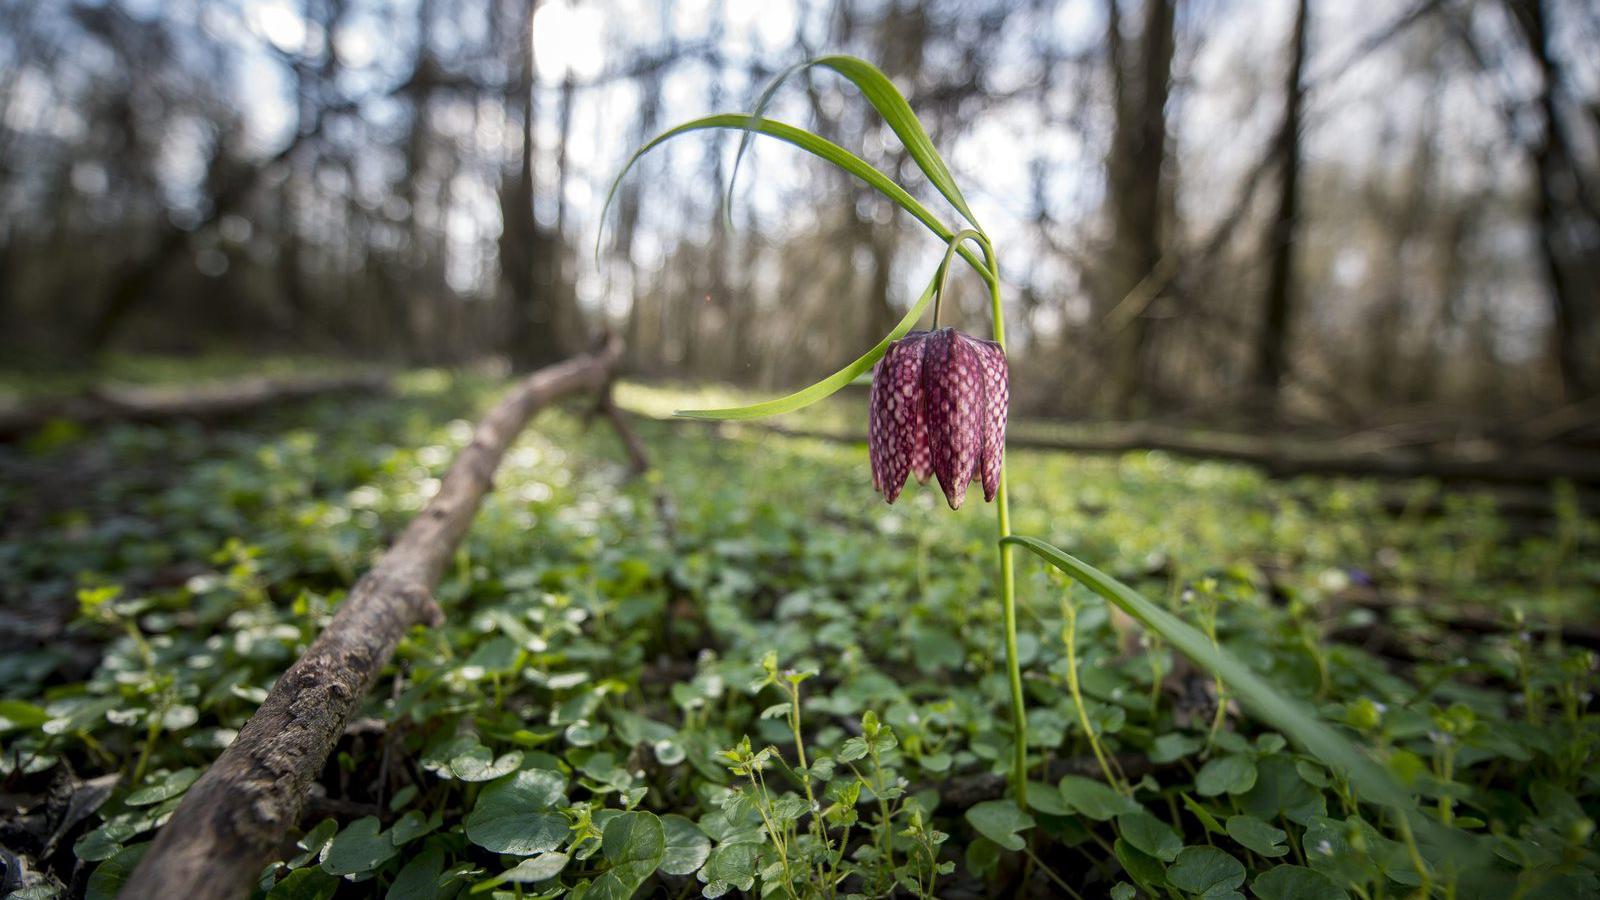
938, 406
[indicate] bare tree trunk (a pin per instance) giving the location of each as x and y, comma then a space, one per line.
291, 267
644, 353
1559, 201
559, 267
231, 823
524, 259
721, 299
417, 267
881, 314
1277, 308
1137, 157
564, 117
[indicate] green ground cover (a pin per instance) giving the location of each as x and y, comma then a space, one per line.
613, 707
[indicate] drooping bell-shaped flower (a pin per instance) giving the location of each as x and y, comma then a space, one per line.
938, 406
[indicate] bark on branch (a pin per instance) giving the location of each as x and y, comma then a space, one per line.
233, 820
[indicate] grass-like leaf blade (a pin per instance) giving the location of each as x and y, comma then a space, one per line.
812, 143
1371, 780
879, 91
827, 386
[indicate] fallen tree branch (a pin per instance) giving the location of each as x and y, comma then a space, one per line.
231, 823
204, 403
639, 460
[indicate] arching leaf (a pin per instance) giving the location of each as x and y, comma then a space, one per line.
879, 91
814, 144
827, 386
1370, 780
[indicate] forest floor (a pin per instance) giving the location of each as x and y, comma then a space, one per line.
598, 663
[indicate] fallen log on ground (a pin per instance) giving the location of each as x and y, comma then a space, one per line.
232, 821
1281, 458
203, 403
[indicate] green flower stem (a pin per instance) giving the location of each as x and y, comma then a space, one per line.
800, 752
1008, 597
1008, 577
1415, 855
942, 274
1069, 636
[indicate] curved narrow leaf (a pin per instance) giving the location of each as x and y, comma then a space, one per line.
1370, 780
879, 91
1288, 716
817, 146
827, 386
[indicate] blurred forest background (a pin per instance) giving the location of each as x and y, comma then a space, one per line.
1335, 212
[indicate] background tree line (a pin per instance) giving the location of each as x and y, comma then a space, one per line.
1295, 209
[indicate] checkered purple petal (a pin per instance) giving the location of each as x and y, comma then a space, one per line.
895, 427
996, 400
952, 383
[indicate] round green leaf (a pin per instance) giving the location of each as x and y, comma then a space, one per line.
543, 867
315, 842
112, 874
729, 866
307, 884
1328, 851
633, 843
982, 856
669, 752
1257, 836
419, 878
413, 825
1225, 775
1140, 866
1094, 799
1296, 883
999, 821
1150, 835
1174, 746
1279, 790
512, 816
687, 846
358, 849
168, 786
1205, 870
584, 733
1046, 799
480, 764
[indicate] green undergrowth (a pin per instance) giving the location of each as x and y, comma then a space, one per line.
790, 689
